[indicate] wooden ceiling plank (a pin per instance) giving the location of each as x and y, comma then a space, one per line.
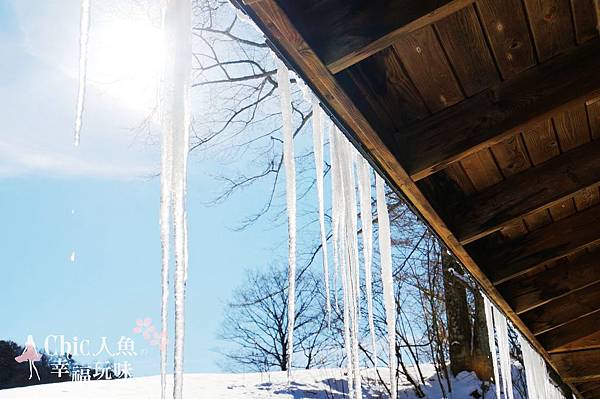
551, 26
495, 114
511, 156
565, 310
572, 128
588, 386
426, 64
391, 87
514, 258
584, 17
481, 169
593, 111
528, 292
465, 44
506, 27
581, 334
578, 366
527, 192
424, 15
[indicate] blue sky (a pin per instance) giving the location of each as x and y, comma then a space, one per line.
108, 184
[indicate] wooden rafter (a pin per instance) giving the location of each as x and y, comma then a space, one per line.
525, 193
517, 257
497, 113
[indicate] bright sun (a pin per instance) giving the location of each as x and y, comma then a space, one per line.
125, 60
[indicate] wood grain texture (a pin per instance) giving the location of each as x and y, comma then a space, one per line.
536, 289
495, 114
506, 27
582, 333
584, 18
578, 366
511, 155
357, 49
391, 87
426, 64
465, 44
551, 25
593, 111
514, 258
564, 310
549, 183
572, 128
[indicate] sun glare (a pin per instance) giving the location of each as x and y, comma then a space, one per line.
125, 60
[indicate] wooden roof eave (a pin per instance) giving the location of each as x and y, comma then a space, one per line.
298, 54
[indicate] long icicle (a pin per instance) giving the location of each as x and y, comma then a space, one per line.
346, 152
339, 204
84, 36
489, 318
318, 151
334, 215
504, 351
283, 81
165, 237
387, 278
364, 190
175, 113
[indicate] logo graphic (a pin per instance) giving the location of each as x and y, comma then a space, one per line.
31, 355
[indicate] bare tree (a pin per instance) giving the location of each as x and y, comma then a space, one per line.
256, 324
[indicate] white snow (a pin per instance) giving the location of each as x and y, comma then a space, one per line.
387, 276
84, 35
290, 195
314, 384
175, 120
318, 151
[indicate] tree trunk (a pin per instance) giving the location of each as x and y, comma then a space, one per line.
458, 316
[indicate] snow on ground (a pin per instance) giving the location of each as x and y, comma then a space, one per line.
315, 384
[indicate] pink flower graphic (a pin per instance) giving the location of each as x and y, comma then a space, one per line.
148, 331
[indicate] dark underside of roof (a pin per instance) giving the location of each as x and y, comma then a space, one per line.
486, 115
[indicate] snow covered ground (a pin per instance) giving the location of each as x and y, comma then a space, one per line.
315, 384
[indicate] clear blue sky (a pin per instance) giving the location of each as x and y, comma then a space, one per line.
108, 183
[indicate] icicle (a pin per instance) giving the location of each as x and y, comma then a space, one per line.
339, 246
290, 194
364, 190
539, 384
350, 216
334, 213
84, 35
504, 351
489, 318
165, 235
318, 151
72, 257
175, 118
387, 277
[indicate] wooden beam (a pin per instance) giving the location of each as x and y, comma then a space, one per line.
563, 311
583, 333
525, 193
531, 291
504, 110
281, 32
521, 255
578, 366
424, 15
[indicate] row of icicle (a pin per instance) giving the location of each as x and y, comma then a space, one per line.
539, 385
349, 171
